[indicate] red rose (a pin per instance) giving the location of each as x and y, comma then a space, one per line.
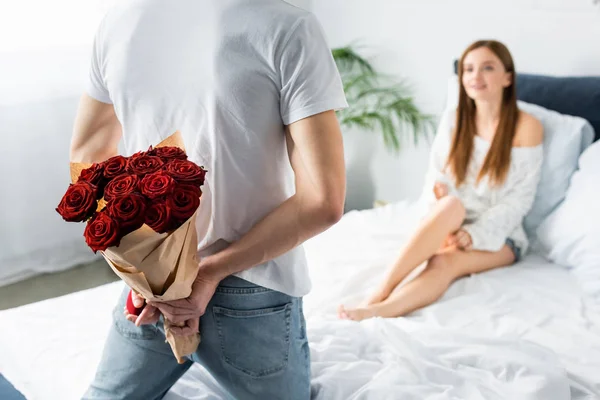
157, 185
93, 174
168, 153
143, 164
185, 172
120, 186
79, 202
114, 167
158, 217
183, 202
129, 211
101, 232
138, 154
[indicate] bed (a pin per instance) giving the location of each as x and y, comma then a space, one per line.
524, 332
529, 331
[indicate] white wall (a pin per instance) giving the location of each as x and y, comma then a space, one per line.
418, 40
305, 4
44, 59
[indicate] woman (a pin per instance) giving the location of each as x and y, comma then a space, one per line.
484, 170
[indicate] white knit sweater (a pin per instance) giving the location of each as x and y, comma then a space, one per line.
493, 213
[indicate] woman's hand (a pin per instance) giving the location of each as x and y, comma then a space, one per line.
440, 190
461, 239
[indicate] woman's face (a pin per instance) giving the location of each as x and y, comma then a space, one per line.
484, 76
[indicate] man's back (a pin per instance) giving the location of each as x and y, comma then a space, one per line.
229, 75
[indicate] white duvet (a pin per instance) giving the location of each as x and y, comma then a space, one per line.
524, 332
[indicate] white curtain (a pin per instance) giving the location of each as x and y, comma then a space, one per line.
44, 57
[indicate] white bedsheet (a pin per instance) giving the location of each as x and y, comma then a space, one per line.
524, 332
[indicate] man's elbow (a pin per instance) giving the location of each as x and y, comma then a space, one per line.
322, 206
331, 210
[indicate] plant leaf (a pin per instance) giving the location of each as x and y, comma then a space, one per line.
376, 102
348, 59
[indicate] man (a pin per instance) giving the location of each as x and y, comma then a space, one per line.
253, 87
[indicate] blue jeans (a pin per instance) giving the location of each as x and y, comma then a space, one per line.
514, 248
253, 342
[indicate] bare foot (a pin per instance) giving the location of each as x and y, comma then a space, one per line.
355, 314
342, 312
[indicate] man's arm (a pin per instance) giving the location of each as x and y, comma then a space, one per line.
96, 132
316, 154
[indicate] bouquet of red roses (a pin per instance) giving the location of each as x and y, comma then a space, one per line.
140, 213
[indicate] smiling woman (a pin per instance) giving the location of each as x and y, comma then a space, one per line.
484, 168
486, 75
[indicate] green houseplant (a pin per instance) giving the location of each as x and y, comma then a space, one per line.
376, 103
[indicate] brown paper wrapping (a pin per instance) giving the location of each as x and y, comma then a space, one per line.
160, 267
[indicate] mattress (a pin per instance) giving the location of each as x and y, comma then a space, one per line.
522, 332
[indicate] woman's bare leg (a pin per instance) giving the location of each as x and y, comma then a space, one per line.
430, 285
445, 218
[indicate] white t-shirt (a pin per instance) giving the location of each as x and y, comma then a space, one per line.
229, 75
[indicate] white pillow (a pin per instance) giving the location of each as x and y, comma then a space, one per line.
565, 138
571, 234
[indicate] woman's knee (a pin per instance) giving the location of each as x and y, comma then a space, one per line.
440, 270
439, 262
451, 209
443, 266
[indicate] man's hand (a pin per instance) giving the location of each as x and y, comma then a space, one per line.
187, 312
461, 239
440, 190
149, 314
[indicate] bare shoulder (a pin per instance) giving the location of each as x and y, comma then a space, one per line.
530, 131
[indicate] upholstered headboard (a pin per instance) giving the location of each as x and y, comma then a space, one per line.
578, 96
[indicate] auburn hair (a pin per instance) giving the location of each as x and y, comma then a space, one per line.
497, 161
